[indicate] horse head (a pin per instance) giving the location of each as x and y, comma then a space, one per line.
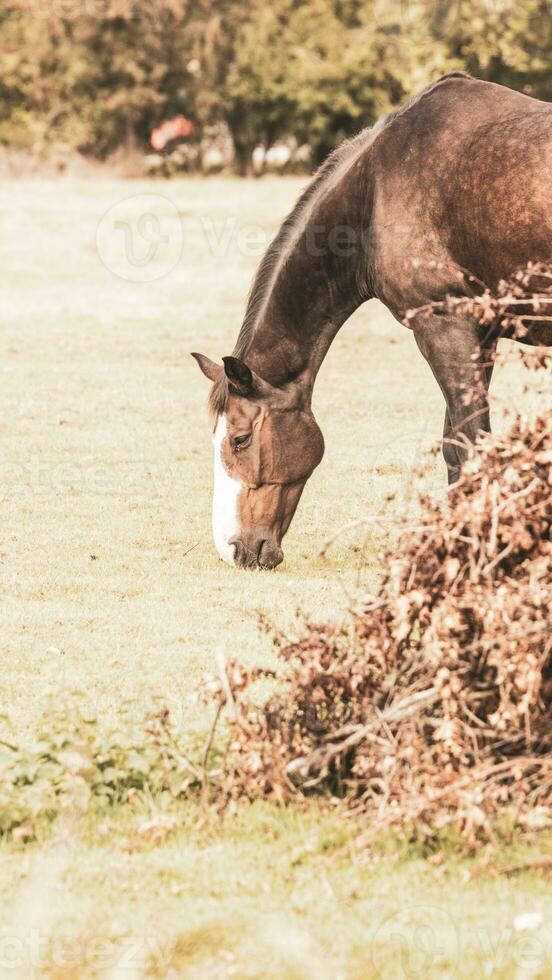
267, 443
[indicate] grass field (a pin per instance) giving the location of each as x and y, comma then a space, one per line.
112, 593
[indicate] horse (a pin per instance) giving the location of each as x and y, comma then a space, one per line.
454, 185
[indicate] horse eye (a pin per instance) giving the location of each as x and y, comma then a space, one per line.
240, 442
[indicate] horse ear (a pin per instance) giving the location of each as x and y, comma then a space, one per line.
209, 368
239, 375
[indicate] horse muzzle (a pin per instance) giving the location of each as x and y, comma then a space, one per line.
260, 552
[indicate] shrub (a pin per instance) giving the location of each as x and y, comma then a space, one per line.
433, 705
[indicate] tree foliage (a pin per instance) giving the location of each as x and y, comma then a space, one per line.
95, 75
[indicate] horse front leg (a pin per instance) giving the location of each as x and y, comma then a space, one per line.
450, 451
462, 362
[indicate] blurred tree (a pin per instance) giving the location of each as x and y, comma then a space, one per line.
96, 77
287, 68
100, 74
506, 42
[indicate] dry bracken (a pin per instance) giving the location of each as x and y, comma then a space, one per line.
432, 705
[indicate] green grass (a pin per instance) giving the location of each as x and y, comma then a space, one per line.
111, 588
269, 893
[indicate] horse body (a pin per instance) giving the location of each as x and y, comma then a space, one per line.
454, 184
463, 183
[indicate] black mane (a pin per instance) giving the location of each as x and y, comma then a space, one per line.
263, 276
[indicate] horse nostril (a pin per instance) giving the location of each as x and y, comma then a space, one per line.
263, 554
269, 555
238, 551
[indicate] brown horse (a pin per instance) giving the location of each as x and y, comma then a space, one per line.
459, 179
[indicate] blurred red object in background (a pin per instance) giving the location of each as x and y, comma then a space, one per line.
171, 130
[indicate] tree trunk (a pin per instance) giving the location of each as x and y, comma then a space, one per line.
243, 160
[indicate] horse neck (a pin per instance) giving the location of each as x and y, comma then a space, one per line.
319, 276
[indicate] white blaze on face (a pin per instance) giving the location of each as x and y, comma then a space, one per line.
226, 491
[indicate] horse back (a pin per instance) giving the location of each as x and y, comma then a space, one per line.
462, 181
